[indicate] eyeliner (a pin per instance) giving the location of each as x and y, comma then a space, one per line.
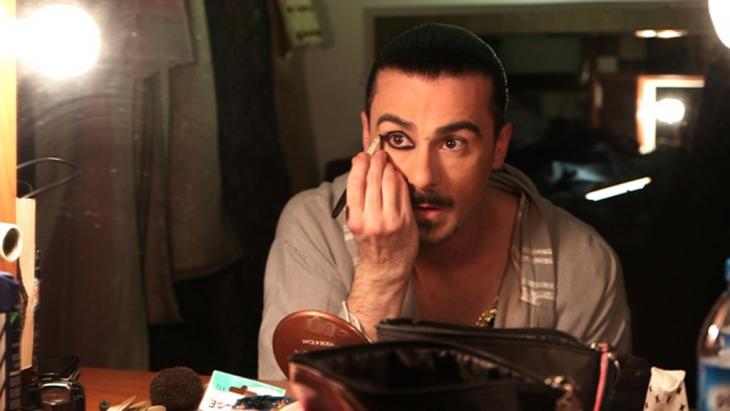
342, 201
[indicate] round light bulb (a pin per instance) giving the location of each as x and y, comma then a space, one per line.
59, 41
669, 110
646, 33
671, 34
7, 35
720, 15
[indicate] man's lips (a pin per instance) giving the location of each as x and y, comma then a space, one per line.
427, 211
426, 207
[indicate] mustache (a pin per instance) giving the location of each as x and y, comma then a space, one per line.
429, 197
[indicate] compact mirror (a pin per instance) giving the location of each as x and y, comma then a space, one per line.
311, 330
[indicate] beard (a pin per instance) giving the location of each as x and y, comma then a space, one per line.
432, 233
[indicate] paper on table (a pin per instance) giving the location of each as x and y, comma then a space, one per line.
219, 396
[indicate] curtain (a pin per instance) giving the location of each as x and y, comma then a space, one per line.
147, 211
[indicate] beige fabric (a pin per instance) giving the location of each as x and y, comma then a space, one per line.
92, 304
200, 238
561, 275
150, 95
186, 234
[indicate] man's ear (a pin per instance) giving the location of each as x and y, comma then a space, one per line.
365, 130
501, 146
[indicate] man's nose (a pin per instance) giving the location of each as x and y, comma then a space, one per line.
422, 170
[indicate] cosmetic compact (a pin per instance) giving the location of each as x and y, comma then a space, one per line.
311, 330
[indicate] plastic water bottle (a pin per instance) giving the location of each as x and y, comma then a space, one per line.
713, 354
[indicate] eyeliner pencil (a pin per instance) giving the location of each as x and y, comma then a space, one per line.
342, 201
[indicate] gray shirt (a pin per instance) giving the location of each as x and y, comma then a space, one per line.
561, 274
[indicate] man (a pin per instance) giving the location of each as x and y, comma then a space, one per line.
437, 227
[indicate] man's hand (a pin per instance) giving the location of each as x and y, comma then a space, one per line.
382, 221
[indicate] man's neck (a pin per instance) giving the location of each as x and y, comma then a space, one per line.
477, 239
469, 267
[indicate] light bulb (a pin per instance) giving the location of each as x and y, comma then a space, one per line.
671, 34
646, 33
669, 110
720, 15
59, 41
8, 29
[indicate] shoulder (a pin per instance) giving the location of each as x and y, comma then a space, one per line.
590, 296
589, 278
310, 209
577, 245
569, 230
306, 230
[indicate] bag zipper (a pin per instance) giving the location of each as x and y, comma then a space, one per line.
542, 336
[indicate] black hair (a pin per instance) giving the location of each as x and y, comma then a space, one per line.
434, 49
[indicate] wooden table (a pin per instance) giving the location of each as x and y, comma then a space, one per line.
116, 386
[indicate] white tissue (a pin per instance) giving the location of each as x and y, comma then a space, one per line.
666, 391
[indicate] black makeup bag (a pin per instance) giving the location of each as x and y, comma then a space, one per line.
421, 375
603, 379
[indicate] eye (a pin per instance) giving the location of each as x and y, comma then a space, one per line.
454, 144
398, 140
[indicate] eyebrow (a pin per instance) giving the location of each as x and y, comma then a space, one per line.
459, 125
395, 119
447, 129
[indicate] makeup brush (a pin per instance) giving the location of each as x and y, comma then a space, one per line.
372, 148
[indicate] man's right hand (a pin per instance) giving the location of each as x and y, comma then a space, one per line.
382, 222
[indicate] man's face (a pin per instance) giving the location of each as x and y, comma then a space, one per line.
440, 134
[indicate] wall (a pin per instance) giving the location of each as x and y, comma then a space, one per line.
335, 73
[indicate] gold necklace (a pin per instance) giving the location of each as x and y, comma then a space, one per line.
486, 319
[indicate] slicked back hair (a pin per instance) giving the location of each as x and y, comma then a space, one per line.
435, 49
